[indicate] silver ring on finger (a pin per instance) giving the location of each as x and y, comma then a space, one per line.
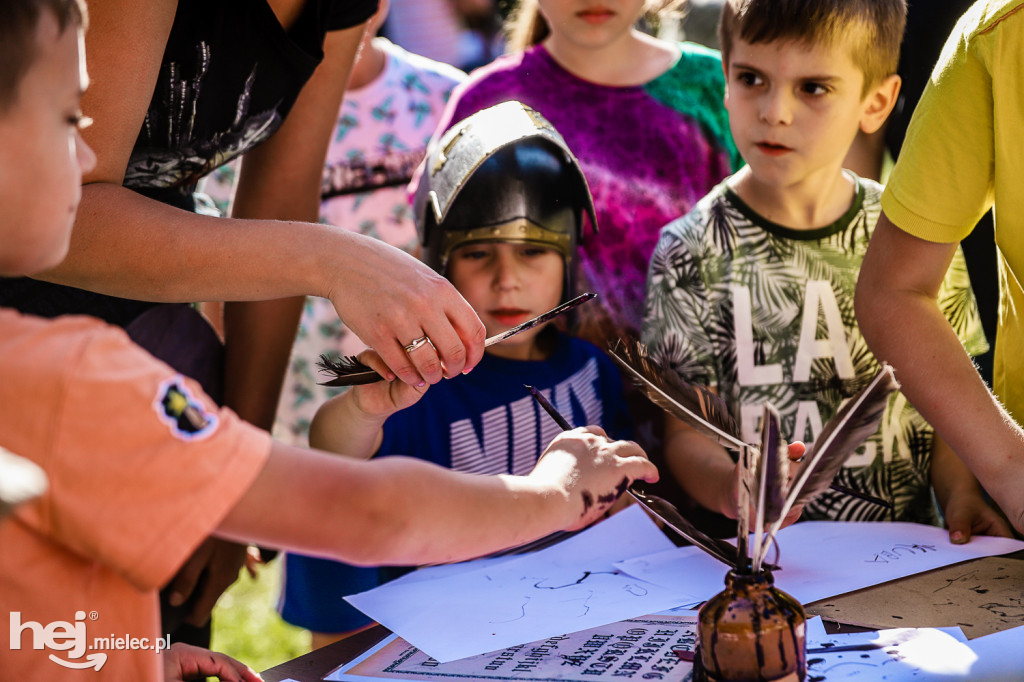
416, 343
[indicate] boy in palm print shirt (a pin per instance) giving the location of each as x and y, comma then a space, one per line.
751, 293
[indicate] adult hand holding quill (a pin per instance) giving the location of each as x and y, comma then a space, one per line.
398, 313
349, 371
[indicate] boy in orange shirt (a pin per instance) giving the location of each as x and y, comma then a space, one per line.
142, 466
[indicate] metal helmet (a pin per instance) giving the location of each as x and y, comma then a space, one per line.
503, 174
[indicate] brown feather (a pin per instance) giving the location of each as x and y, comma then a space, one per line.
748, 459
695, 405
347, 371
775, 478
720, 549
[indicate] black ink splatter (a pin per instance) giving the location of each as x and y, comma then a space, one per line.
588, 501
586, 574
619, 490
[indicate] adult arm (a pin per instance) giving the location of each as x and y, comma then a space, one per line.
280, 180
901, 321
125, 244
398, 510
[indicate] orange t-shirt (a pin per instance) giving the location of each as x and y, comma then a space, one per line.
142, 467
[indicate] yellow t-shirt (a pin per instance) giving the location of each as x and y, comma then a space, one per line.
141, 468
964, 154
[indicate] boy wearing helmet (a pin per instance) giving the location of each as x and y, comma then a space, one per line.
500, 210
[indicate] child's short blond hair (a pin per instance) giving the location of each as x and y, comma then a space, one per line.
874, 26
18, 22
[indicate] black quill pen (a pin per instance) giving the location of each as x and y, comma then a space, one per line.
669, 515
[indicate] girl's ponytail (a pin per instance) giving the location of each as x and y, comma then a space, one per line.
525, 28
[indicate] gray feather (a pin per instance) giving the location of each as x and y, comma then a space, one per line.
855, 421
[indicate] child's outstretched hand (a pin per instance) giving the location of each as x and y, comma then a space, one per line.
351, 423
384, 398
187, 662
593, 470
969, 514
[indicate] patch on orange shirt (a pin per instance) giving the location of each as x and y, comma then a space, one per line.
182, 412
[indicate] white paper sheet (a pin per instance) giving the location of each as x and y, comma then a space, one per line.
687, 569
923, 654
569, 587
822, 559
449, 570
913, 654
1000, 656
815, 631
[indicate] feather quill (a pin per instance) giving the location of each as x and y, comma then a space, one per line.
720, 549
776, 468
348, 371
695, 405
854, 422
748, 459
771, 482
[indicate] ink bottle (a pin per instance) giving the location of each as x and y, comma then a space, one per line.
751, 632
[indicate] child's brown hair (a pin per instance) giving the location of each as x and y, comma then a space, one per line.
527, 27
18, 22
876, 27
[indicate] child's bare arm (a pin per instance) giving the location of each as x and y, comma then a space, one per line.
903, 325
703, 469
707, 472
960, 497
352, 423
398, 510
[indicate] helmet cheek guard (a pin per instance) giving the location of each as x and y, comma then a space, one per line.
503, 174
